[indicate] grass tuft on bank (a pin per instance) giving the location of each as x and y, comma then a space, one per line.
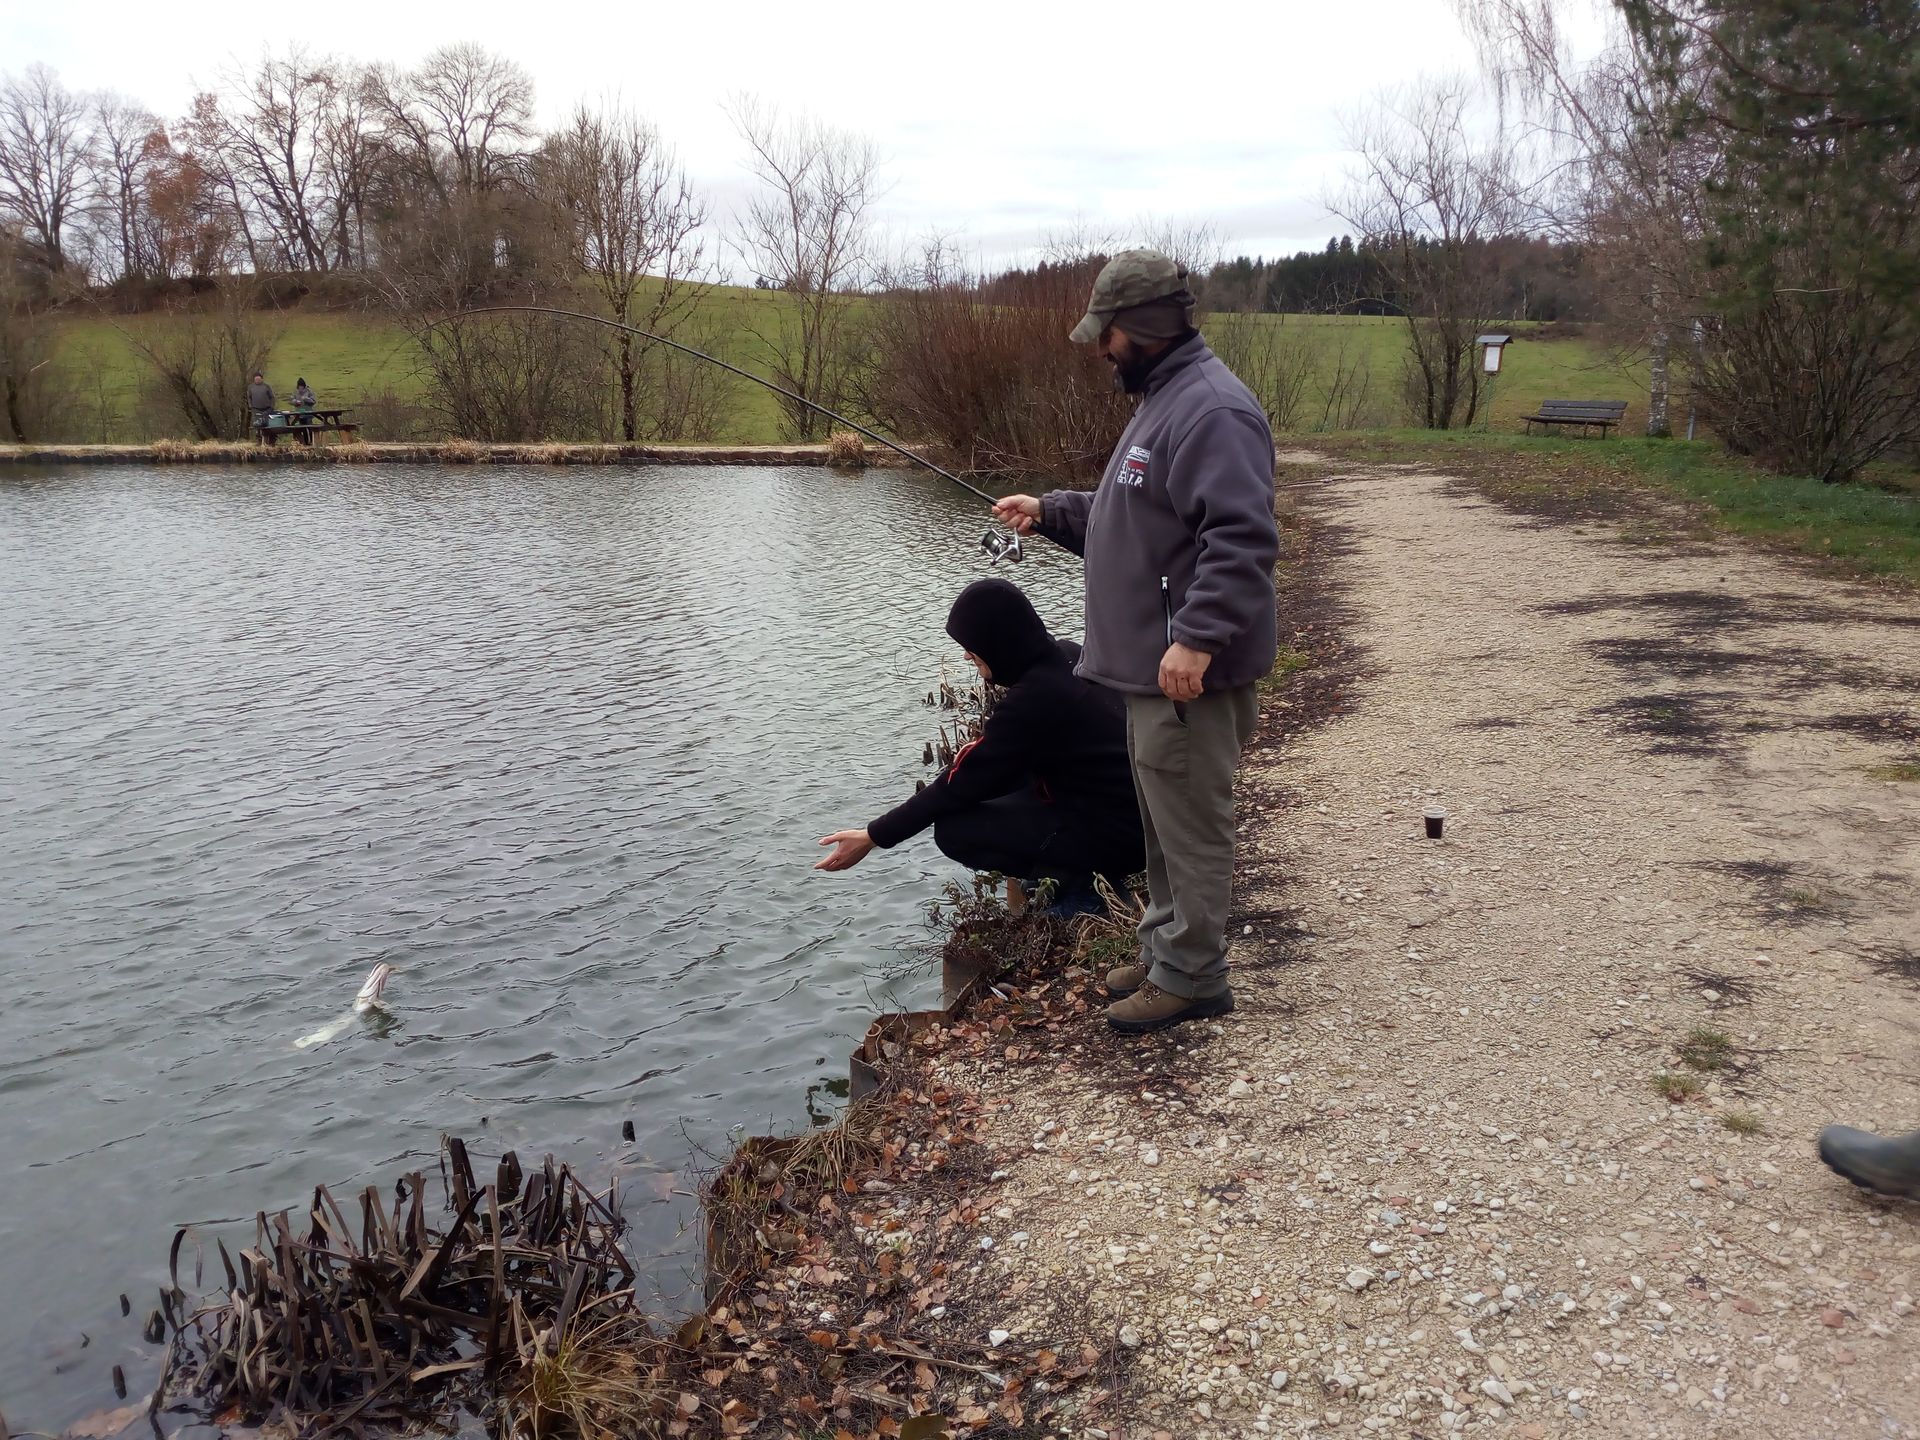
1868, 529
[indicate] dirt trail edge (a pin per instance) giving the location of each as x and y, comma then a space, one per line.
1513, 1132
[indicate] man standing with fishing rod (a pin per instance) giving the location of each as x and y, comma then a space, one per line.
1180, 542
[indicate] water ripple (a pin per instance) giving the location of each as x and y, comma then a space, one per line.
556, 744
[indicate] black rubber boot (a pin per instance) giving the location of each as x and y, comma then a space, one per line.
1891, 1167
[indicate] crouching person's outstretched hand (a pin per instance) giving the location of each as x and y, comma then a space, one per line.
850, 847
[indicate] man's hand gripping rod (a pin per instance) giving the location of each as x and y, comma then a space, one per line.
999, 544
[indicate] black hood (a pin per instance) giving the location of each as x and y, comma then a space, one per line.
994, 620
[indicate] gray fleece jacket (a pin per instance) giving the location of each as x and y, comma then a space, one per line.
1179, 538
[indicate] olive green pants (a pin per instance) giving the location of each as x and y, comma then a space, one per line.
1183, 758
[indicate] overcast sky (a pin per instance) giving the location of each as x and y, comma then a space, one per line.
1000, 122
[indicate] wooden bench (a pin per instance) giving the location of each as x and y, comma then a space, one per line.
1601, 415
305, 424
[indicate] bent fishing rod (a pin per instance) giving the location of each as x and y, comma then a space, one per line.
999, 545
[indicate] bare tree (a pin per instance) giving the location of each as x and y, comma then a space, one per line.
125, 132
268, 136
1427, 196
457, 221
186, 227
1631, 182
981, 369
461, 222
807, 234
1306, 376
510, 377
633, 225
201, 360
34, 393
46, 159
348, 156
1274, 358
460, 122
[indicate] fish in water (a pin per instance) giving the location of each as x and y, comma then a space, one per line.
368, 999
373, 989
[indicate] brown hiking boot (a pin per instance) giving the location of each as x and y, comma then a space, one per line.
1123, 980
1151, 1008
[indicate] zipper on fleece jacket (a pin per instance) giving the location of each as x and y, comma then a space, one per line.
1166, 605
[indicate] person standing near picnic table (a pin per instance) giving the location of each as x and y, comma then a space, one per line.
260, 398
1180, 542
303, 397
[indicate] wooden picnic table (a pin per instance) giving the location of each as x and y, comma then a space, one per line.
305, 424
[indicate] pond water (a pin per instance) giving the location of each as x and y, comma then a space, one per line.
556, 744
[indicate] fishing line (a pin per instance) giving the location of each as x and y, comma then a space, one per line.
1000, 545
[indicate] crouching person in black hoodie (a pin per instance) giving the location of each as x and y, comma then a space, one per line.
1046, 792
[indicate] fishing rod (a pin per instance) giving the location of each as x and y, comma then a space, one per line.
999, 544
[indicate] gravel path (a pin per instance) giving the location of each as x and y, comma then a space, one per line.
1422, 1183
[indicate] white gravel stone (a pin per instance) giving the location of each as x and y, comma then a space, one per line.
1359, 1278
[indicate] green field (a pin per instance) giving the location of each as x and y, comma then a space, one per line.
1870, 529
1543, 363
350, 356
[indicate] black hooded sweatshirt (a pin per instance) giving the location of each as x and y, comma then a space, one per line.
1049, 729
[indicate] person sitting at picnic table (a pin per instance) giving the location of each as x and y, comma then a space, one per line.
303, 397
260, 399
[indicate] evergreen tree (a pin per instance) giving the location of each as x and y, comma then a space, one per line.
1811, 360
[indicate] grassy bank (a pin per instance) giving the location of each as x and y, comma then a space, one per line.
1869, 529
350, 356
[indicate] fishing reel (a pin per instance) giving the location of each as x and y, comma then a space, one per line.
1002, 545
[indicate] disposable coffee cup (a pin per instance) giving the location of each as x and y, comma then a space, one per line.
1436, 821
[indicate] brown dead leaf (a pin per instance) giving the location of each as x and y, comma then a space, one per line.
689, 1403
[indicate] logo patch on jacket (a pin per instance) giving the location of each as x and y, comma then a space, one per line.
1133, 469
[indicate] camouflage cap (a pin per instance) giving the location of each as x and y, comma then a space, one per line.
1133, 277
